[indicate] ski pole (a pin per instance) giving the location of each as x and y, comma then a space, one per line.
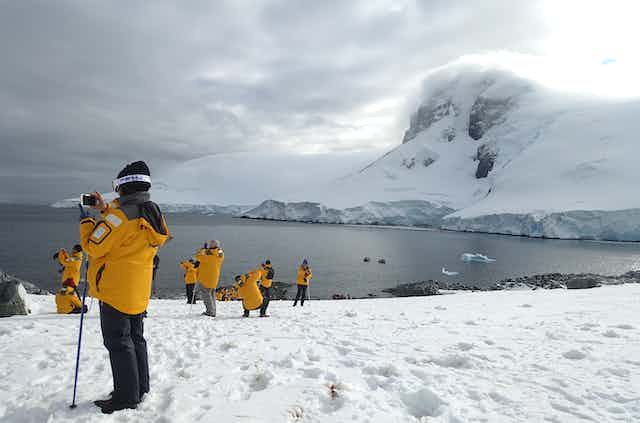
75, 381
193, 297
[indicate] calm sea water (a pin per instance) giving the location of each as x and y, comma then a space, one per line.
31, 234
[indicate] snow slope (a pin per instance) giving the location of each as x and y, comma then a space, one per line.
519, 356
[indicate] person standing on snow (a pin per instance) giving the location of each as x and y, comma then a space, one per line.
121, 246
190, 268
265, 286
71, 265
304, 277
210, 258
249, 292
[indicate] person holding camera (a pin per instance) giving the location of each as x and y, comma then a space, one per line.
190, 268
210, 258
304, 277
265, 286
71, 265
121, 246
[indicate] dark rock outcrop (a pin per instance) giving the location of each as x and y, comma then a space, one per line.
486, 158
13, 299
487, 113
417, 289
582, 283
427, 115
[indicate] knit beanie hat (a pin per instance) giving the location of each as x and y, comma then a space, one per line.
133, 178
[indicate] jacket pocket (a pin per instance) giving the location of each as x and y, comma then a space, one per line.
99, 277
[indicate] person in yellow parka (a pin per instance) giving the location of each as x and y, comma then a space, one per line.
121, 246
249, 291
67, 301
71, 265
190, 268
304, 277
211, 259
265, 286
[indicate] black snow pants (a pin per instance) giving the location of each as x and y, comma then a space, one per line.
301, 295
190, 298
266, 297
123, 336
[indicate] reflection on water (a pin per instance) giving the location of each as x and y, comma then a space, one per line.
31, 234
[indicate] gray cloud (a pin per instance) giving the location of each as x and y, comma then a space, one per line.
87, 86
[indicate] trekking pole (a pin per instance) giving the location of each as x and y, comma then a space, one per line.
75, 381
193, 297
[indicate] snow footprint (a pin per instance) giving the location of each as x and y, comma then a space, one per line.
424, 404
574, 355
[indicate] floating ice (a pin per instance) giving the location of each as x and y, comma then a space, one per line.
449, 273
476, 257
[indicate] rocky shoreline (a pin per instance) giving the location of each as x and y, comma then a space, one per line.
280, 290
542, 281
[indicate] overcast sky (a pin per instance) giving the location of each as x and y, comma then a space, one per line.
86, 86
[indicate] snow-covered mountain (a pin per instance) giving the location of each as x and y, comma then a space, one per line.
510, 156
487, 149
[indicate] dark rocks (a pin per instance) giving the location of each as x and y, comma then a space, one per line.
13, 299
427, 115
582, 283
486, 157
487, 113
417, 289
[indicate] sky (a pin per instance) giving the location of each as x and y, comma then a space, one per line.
87, 86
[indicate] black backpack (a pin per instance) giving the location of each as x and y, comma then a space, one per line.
270, 273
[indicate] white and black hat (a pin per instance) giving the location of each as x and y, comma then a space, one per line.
133, 178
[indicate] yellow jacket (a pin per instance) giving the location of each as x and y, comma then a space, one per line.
121, 247
190, 272
72, 264
304, 276
67, 300
211, 261
266, 283
251, 295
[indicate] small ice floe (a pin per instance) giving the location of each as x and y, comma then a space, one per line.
449, 273
476, 257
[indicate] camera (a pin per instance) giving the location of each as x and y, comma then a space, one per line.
88, 200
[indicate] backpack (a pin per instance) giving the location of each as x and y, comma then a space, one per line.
270, 273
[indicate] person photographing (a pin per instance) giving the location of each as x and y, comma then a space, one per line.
121, 246
303, 279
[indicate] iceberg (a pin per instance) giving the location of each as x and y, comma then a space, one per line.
476, 258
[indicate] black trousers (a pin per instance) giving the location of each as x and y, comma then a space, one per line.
266, 297
123, 336
301, 295
190, 298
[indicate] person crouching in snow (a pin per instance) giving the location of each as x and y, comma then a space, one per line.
249, 291
210, 259
190, 268
67, 302
121, 246
265, 286
304, 277
71, 265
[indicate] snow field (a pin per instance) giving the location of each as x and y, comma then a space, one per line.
508, 356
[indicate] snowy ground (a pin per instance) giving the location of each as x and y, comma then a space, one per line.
519, 356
